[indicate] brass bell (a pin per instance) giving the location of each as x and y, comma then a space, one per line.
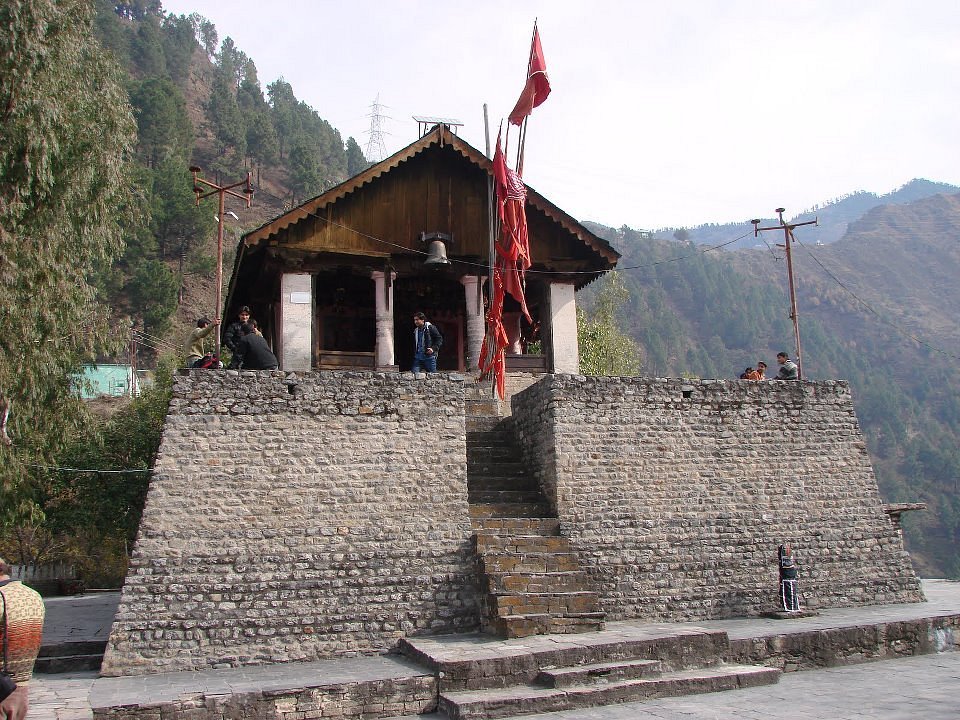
436, 254
436, 249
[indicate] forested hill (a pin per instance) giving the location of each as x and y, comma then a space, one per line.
833, 216
878, 308
198, 100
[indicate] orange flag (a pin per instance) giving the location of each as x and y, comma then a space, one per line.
537, 87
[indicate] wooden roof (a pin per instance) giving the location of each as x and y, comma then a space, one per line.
439, 136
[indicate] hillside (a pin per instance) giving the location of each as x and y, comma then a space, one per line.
834, 218
891, 279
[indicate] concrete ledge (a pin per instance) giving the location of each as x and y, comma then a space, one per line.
354, 687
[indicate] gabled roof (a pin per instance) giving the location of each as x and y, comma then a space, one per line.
439, 136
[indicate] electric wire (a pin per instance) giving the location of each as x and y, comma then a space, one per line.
871, 309
87, 470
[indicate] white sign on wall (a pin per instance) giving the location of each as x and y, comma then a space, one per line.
300, 298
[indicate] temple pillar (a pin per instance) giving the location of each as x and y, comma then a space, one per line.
476, 326
564, 351
296, 321
511, 323
383, 288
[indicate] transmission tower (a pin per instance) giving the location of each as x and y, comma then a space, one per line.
376, 150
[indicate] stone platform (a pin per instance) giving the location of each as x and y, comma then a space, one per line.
393, 686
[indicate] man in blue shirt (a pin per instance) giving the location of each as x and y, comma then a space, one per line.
427, 341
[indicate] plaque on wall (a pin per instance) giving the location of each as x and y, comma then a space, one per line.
300, 298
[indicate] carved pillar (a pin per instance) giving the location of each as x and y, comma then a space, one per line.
564, 351
511, 323
384, 304
296, 321
473, 293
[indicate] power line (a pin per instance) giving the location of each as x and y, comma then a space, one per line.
874, 312
87, 470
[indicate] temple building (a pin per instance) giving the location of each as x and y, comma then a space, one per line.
334, 282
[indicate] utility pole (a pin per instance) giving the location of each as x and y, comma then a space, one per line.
221, 191
787, 238
133, 359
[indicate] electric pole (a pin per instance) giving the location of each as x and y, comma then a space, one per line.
221, 191
787, 238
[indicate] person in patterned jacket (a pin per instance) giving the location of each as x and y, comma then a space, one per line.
21, 628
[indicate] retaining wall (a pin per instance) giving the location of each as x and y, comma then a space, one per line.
677, 493
293, 517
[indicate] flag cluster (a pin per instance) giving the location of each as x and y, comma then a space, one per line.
512, 247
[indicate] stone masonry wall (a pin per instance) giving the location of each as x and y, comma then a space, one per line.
677, 504
298, 516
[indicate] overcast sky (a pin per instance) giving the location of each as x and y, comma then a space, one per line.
662, 114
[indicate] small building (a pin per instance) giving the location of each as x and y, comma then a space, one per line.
108, 380
334, 282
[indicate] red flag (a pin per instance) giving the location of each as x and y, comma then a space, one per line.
538, 84
510, 265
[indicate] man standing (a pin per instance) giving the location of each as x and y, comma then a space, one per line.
195, 345
252, 352
234, 334
427, 341
788, 368
21, 628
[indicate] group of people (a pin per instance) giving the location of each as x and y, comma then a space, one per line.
249, 350
788, 370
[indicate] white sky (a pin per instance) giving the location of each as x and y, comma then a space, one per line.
661, 114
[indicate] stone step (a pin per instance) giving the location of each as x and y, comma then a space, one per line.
492, 438
526, 699
533, 562
481, 482
499, 664
600, 673
480, 422
67, 663
488, 542
521, 626
543, 603
537, 582
505, 497
509, 510
517, 526
492, 453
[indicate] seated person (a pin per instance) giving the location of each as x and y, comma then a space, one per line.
252, 352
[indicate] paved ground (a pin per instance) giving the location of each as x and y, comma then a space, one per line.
920, 687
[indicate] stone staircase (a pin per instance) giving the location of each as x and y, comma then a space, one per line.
530, 576
539, 675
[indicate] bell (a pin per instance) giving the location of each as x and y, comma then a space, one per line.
436, 254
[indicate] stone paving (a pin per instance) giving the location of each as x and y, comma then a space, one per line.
924, 686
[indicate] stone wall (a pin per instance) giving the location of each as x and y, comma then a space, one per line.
677, 493
292, 517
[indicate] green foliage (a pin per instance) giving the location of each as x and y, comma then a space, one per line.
154, 289
604, 348
356, 161
90, 519
65, 145
163, 127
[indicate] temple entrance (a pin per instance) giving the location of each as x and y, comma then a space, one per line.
441, 299
345, 321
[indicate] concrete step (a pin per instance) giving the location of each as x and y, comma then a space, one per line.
516, 526
70, 657
505, 497
543, 603
533, 562
600, 673
517, 481
487, 542
497, 663
521, 626
527, 699
537, 582
511, 510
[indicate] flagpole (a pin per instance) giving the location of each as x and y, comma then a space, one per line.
523, 128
